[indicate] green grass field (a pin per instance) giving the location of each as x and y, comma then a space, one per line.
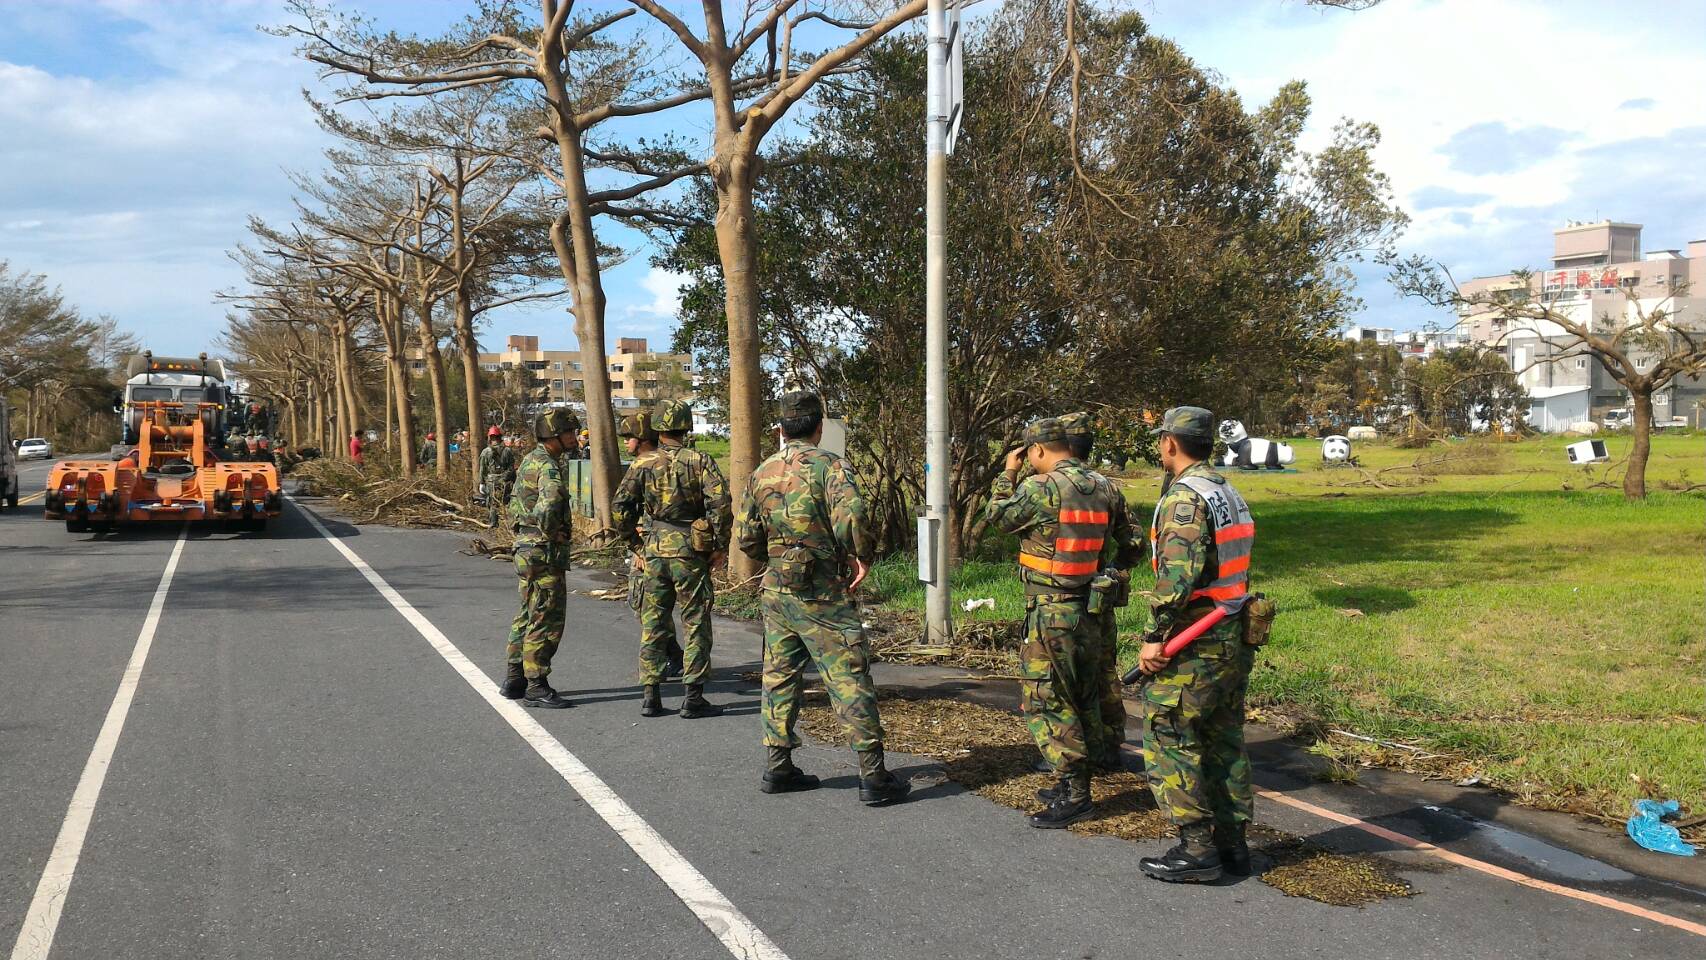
1554, 637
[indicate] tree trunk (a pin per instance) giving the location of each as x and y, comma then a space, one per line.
295, 435
736, 248
399, 371
357, 403
1635, 476
576, 247
435, 378
471, 379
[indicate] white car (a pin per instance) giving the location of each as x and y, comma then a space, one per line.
35, 448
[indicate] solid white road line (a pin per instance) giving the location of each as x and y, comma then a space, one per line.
742, 938
35, 937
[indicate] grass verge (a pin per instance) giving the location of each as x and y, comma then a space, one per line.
1547, 641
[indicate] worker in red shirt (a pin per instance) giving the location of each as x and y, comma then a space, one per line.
355, 447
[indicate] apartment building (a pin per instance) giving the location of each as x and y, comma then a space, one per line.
638, 375
1598, 276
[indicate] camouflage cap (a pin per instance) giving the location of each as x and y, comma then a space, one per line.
672, 416
800, 403
1078, 425
636, 426
1045, 430
554, 421
1187, 422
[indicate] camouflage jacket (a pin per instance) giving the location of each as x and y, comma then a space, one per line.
804, 496
1185, 557
1031, 509
538, 510
497, 466
672, 487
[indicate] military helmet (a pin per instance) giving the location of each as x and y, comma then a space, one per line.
636, 426
554, 421
672, 416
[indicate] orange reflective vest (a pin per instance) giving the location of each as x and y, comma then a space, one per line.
1068, 555
1234, 536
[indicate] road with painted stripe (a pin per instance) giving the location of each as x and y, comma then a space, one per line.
288, 745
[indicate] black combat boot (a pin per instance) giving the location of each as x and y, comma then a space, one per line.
1233, 848
781, 776
515, 683
1042, 766
1194, 860
1069, 804
651, 704
694, 705
877, 786
675, 654
540, 696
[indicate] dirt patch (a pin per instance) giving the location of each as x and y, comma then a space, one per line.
990, 752
1298, 868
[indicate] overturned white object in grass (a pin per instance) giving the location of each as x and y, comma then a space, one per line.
981, 603
1587, 451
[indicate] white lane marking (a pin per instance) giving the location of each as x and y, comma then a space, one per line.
742, 938
41, 923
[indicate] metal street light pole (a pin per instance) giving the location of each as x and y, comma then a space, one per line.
933, 524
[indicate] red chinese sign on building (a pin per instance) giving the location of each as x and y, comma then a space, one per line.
1583, 279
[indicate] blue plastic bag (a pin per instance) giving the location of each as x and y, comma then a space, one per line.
1647, 828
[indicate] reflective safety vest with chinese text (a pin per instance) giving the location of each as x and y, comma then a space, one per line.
1069, 555
1234, 535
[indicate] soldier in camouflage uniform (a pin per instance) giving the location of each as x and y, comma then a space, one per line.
497, 473
539, 515
1193, 705
803, 516
685, 502
639, 439
1066, 515
1104, 749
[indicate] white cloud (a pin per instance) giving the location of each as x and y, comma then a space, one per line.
665, 288
1426, 71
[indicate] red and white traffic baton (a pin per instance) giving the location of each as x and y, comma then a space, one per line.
1180, 641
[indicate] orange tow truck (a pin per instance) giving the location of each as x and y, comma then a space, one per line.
175, 471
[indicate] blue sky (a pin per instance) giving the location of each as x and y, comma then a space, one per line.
141, 134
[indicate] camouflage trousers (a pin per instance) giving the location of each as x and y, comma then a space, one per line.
1061, 667
496, 497
1193, 734
1104, 751
829, 634
538, 625
665, 581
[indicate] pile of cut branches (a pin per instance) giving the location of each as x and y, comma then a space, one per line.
377, 493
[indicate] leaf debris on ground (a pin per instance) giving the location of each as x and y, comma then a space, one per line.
990, 752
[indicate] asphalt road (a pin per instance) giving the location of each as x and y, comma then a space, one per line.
303, 772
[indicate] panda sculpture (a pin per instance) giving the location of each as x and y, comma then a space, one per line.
1335, 449
1251, 453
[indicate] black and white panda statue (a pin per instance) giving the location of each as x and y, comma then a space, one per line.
1335, 449
1251, 453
